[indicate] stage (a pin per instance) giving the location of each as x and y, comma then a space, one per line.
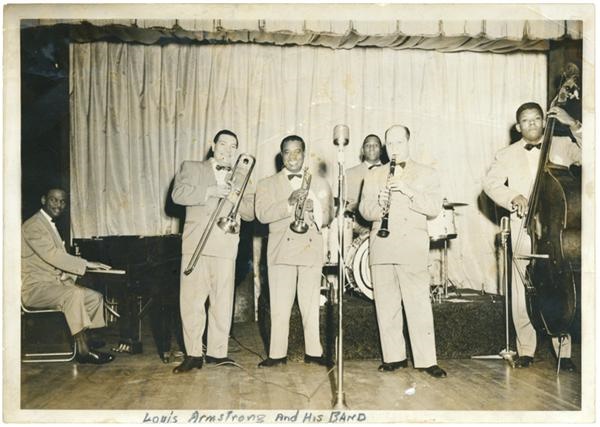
143, 382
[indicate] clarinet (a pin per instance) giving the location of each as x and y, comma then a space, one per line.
383, 228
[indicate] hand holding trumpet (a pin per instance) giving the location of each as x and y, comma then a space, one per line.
297, 195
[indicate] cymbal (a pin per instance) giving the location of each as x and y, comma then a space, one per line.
454, 204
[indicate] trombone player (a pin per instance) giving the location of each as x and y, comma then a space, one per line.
199, 186
398, 198
296, 205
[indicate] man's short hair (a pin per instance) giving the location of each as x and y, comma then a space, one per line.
49, 188
372, 135
529, 106
292, 138
225, 132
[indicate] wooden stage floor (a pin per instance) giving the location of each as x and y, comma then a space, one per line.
143, 382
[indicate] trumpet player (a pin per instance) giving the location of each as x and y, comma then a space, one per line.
402, 194
295, 213
199, 185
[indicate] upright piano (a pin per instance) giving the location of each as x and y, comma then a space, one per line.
150, 284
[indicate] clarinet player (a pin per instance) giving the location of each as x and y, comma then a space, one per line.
296, 206
398, 198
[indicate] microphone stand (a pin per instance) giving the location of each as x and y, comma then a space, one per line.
506, 354
340, 399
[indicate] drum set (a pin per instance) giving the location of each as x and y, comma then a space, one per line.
440, 229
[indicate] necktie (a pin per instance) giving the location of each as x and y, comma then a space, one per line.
294, 175
227, 168
528, 147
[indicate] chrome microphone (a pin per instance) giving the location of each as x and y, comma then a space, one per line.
341, 135
504, 228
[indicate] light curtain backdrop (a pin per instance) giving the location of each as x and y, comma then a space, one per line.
138, 111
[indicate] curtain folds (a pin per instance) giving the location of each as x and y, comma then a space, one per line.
138, 111
498, 36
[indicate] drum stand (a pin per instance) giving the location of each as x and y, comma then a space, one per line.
441, 291
506, 354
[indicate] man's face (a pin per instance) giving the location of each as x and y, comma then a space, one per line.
224, 149
531, 125
396, 143
372, 150
54, 203
293, 156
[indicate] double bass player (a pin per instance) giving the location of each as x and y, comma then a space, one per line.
508, 183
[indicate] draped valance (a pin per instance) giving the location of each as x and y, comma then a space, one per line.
498, 36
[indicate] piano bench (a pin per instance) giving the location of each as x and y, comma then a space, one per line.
45, 336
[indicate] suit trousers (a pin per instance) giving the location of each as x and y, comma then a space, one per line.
83, 307
526, 334
212, 279
284, 282
396, 285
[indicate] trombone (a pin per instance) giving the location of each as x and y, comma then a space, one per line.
240, 176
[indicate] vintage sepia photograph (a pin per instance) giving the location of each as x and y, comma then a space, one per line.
299, 213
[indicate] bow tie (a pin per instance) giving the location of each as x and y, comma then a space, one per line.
376, 165
227, 168
528, 147
294, 175
401, 164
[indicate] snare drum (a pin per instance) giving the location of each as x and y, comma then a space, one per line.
357, 267
442, 226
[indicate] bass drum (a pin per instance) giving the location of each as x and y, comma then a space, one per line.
357, 267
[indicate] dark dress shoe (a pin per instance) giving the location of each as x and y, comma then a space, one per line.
269, 363
389, 367
566, 364
95, 358
318, 360
523, 362
95, 344
218, 360
435, 371
189, 363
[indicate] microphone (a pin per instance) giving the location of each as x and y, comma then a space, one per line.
505, 224
504, 229
341, 135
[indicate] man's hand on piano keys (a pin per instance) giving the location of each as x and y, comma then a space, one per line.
94, 265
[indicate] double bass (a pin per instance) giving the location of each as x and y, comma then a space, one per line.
553, 223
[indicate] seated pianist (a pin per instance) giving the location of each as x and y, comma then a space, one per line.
49, 277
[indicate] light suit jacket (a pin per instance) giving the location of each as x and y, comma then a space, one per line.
408, 241
189, 190
354, 183
272, 208
511, 164
43, 255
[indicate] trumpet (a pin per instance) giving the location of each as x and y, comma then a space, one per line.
383, 228
299, 225
240, 175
